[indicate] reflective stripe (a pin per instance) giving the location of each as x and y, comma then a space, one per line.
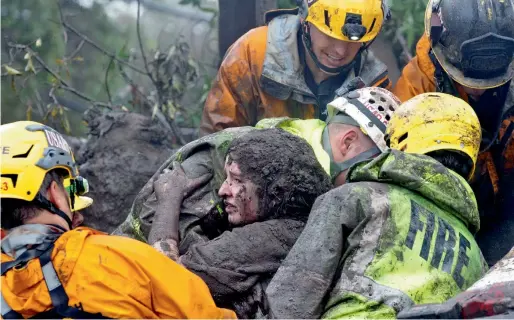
5, 307
51, 278
7, 311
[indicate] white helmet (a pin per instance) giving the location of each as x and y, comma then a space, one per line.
370, 109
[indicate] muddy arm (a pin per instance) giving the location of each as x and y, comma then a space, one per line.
235, 261
302, 283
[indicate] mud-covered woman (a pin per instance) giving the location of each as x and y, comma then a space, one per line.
272, 181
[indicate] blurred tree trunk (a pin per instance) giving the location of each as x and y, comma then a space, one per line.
261, 7
236, 17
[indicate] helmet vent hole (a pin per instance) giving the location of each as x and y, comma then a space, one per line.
372, 24
391, 108
372, 101
403, 137
327, 19
388, 117
28, 193
373, 93
380, 108
383, 99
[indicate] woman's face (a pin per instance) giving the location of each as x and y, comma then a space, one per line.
239, 195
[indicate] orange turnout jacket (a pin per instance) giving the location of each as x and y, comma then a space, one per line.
115, 276
262, 76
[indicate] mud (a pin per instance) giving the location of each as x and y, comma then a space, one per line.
284, 169
122, 153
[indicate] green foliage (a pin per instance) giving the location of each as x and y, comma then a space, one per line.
26, 95
408, 17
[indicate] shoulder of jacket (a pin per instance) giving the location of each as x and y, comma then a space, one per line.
424, 62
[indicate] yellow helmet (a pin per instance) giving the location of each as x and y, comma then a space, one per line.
348, 20
435, 121
30, 150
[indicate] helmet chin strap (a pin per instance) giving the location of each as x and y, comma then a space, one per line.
337, 167
308, 44
44, 203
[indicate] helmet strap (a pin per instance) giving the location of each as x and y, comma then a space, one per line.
337, 167
306, 36
44, 203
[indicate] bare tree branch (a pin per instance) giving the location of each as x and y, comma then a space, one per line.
160, 116
99, 48
62, 83
404, 45
107, 81
76, 51
61, 17
170, 122
138, 30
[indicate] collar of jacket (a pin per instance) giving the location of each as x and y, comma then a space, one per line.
282, 73
425, 176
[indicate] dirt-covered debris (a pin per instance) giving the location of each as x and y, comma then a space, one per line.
121, 154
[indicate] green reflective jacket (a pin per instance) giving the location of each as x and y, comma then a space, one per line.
398, 233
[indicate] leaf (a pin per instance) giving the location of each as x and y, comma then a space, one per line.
154, 110
12, 71
124, 54
66, 124
26, 56
125, 109
54, 112
60, 62
30, 66
78, 58
171, 109
39, 42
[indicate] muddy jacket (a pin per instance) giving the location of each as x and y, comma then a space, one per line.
399, 233
236, 264
107, 276
493, 183
262, 76
202, 156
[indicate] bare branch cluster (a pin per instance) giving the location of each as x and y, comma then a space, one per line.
169, 73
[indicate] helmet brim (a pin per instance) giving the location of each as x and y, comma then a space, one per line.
81, 203
458, 76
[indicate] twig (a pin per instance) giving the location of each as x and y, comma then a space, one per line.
61, 16
62, 84
138, 27
99, 48
107, 81
403, 43
74, 53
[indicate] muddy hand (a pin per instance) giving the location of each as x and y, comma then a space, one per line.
175, 181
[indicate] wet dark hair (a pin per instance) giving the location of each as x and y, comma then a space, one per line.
285, 170
454, 160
